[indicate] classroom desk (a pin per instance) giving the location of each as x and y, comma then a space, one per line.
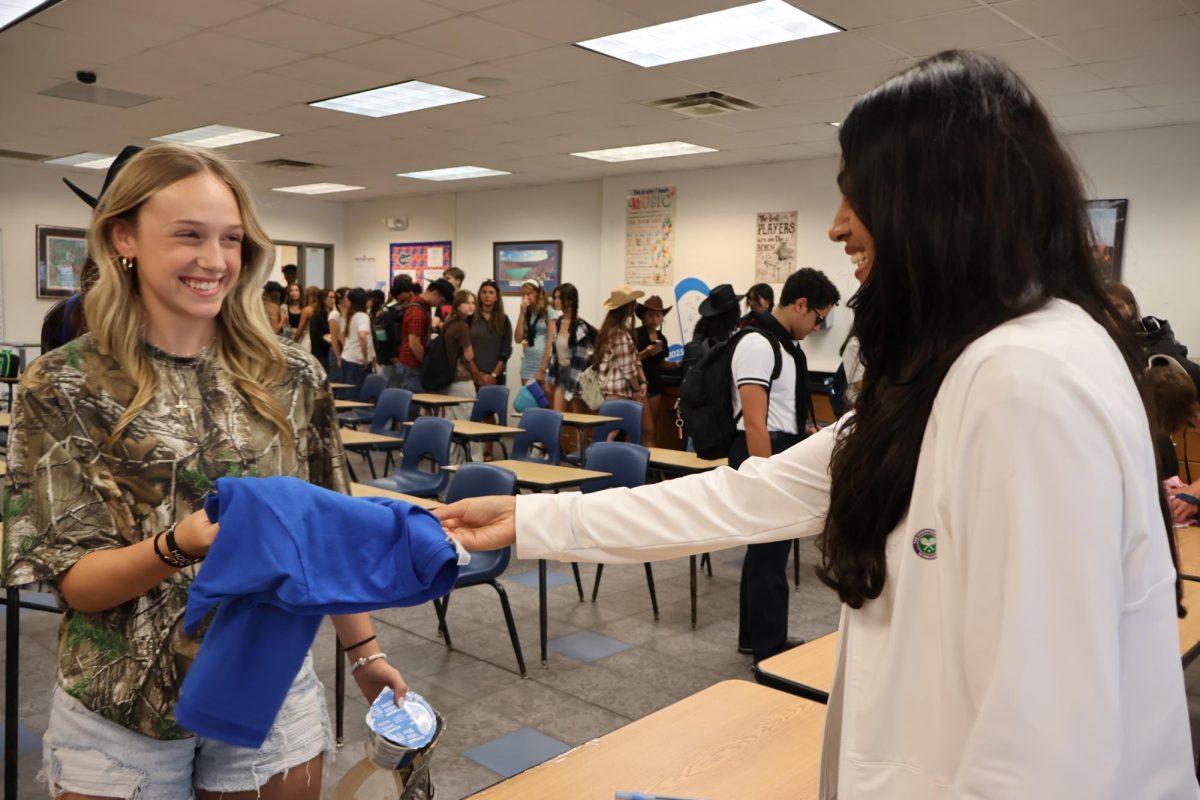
363, 441
542, 478
437, 401
341, 386
573, 419
466, 431
3, 467
346, 405
5, 420
1189, 626
363, 490
1187, 545
806, 670
681, 462
766, 747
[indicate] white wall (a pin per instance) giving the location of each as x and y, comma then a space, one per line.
32, 195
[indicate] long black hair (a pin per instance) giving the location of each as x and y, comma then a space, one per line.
977, 217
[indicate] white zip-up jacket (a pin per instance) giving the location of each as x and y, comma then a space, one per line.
1025, 645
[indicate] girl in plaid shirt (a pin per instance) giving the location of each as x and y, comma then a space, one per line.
616, 355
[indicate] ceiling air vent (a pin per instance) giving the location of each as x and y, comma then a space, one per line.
21, 156
87, 93
288, 163
704, 104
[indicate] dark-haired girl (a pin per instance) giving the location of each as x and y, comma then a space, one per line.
990, 515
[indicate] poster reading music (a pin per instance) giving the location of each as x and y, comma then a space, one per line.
650, 237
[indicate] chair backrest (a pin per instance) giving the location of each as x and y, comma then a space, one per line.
372, 386
630, 424
541, 426
491, 400
391, 411
480, 480
429, 438
627, 462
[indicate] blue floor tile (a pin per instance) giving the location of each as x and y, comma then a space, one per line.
516, 752
27, 741
587, 646
531, 578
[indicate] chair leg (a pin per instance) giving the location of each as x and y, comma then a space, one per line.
650, 586
596, 584
542, 616
796, 563
339, 691
440, 605
370, 463
511, 623
387, 462
692, 589
706, 563
578, 580
12, 675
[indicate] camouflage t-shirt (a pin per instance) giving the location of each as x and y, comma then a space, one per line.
69, 494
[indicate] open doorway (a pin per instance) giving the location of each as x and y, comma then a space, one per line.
314, 262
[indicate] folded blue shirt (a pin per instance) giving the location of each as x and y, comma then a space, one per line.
287, 554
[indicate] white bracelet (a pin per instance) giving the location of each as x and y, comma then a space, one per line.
361, 662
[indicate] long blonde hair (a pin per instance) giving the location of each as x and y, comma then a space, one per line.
244, 345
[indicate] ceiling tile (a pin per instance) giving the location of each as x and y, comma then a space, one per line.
468, 5
1064, 80
829, 52
1110, 121
289, 120
956, 29
106, 23
337, 76
1089, 102
208, 14
487, 79
1029, 55
474, 39
1159, 68
380, 17
293, 31
268, 84
565, 63
865, 13
33, 47
399, 58
563, 22
668, 10
206, 49
730, 69
1167, 94
1150, 37
1184, 112
1063, 16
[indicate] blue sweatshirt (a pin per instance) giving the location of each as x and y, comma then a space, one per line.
287, 554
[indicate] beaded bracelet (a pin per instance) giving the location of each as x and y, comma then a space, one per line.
362, 662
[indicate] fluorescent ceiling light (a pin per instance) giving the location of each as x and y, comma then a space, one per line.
85, 160
215, 136
452, 174
836, 124
740, 28
399, 98
13, 10
660, 150
319, 188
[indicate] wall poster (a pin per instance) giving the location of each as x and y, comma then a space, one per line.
650, 237
415, 258
1108, 230
775, 246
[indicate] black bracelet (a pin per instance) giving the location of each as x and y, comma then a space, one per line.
176, 553
170, 562
367, 640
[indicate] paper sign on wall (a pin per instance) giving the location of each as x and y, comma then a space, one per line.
775, 246
414, 258
650, 236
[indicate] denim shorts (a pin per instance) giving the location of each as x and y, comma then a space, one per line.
85, 753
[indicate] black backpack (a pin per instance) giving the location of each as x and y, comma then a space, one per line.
387, 332
706, 396
436, 370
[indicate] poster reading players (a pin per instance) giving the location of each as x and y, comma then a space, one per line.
775, 246
650, 236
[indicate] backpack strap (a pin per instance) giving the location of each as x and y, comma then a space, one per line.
775, 371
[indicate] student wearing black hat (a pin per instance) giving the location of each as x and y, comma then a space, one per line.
652, 347
718, 321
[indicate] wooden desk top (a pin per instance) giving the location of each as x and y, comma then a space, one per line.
670, 460
353, 438
344, 405
465, 429
429, 399
809, 666
1187, 543
577, 420
13, 379
543, 476
3, 467
767, 746
1189, 626
5, 420
362, 490
341, 386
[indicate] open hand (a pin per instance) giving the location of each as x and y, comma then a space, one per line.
481, 523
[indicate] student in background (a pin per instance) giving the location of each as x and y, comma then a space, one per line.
569, 344
491, 335
760, 297
177, 332
718, 321
337, 331
357, 350
289, 272
318, 325
652, 347
774, 416
533, 324
852, 369
1174, 406
1155, 334
273, 297
388, 325
415, 328
990, 515
615, 355
454, 277
461, 353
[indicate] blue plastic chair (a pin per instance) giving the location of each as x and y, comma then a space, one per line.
541, 427
372, 387
629, 426
483, 480
627, 464
391, 412
492, 400
428, 439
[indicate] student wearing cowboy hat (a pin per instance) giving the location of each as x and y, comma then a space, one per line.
652, 347
616, 356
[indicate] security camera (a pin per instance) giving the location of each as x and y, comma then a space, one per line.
85, 76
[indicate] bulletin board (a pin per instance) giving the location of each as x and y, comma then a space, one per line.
416, 258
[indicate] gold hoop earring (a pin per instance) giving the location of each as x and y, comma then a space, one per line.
125, 263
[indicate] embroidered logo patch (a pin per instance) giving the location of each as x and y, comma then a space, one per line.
925, 544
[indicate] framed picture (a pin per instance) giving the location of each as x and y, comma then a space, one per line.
60, 256
515, 262
1108, 230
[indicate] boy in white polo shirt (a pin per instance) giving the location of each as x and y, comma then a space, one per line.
772, 415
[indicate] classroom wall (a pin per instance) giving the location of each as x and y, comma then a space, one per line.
34, 194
